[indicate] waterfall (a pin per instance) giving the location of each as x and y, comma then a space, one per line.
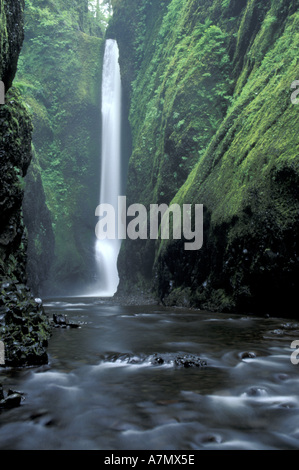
106, 251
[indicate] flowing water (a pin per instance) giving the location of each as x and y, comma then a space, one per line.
102, 390
106, 250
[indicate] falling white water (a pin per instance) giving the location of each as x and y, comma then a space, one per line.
107, 250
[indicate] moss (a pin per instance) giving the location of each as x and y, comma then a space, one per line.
178, 98
24, 327
16, 131
60, 75
230, 144
11, 38
240, 189
178, 297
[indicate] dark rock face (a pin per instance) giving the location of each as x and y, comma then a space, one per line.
228, 144
12, 36
38, 222
15, 151
23, 325
59, 75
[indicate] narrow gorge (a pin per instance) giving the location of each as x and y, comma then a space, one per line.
127, 340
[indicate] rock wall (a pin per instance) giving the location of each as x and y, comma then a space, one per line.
59, 75
24, 327
209, 87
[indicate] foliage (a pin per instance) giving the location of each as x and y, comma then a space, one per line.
190, 65
212, 123
59, 75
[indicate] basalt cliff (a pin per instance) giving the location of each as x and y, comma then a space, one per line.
209, 101
24, 327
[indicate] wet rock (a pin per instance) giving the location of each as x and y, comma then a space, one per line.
126, 358
184, 360
158, 360
256, 392
189, 361
60, 320
277, 332
25, 326
282, 377
179, 361
12, 399
247, 355
63, 322
211, 439
23, 322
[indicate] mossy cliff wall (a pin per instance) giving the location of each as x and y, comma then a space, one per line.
59, 75
24, 328
212, 122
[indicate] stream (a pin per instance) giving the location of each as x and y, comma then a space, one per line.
104, 388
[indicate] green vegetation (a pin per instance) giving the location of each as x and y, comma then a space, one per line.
59, 75
24, 327
212, 123
15, 136
207, 95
